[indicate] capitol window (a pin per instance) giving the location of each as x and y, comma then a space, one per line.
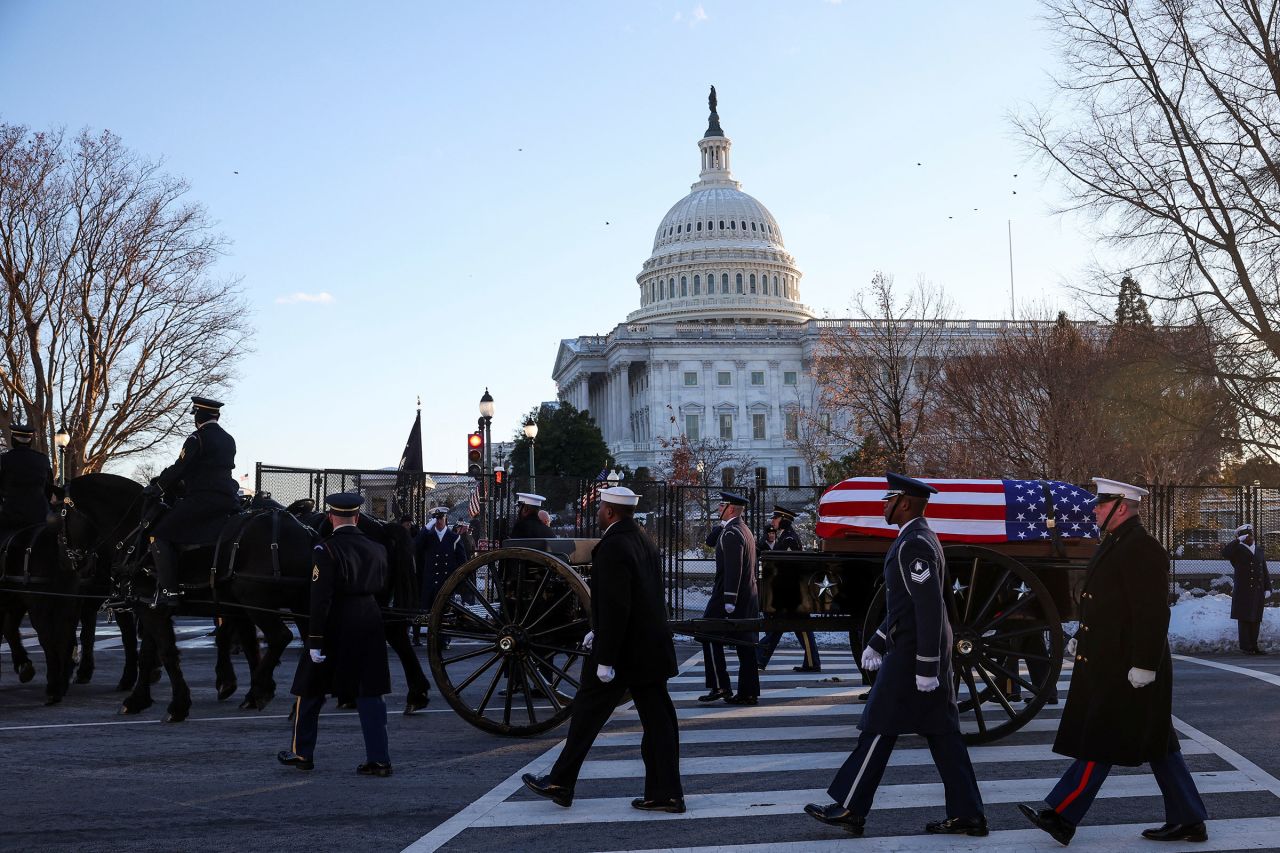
697, 285
757, 377
753, 226
724, 282
757, 427
793, 476
721, 224
699, 225
775, 285
744, 225
684, 286
739, 282
753, 282
724, 377
690, 377
692, 428
733, 225
789, 377
726, 427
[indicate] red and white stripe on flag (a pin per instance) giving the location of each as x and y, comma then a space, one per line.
962, 511
474, 505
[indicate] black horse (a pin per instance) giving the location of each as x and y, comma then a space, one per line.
259, 570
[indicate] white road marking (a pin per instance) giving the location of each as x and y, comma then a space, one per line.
1251, 833
752, 803
1260, 777
816, 692
247, 716
740, 735
1229, 667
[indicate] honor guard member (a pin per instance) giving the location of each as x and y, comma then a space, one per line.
788, 540
913, 692
203, 476
527, 524
26, 481
734, 595
1120, 703
1251, 584
437, 551
629, 649
346, 652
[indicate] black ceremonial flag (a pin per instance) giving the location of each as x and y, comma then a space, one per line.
409, 478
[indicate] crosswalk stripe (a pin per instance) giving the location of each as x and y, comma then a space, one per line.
812, 692
908, 796
851, 709
800, 761
1257, 833
741, 735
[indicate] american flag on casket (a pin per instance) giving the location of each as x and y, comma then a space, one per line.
964, 510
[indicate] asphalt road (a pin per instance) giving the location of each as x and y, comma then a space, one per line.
81, 778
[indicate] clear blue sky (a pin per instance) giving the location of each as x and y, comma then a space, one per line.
445, 171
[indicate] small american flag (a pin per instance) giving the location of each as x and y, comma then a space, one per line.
589, 497
474, 505
964, 510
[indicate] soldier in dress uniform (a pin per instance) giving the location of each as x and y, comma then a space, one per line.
733, 595
1250, 587
629, 648
913, 692
346, 653
26, 482
1120, 704
437, 551
203, 476
527, 524
788, 540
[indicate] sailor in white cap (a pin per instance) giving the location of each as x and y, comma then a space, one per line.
527, 525
1120, 703
1251, 584
437, 551
629, 648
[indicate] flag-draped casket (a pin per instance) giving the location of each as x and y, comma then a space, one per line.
965, 510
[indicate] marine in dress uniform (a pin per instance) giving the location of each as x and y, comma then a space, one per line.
346, 652
788, 540
630, 648
203, 475
1250, 587
1120, 704
527, 524
913, 692
26, 482
734, 595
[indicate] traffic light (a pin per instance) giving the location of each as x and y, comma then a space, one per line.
498, 474
475, 454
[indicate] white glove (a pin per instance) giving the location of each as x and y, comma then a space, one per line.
588, 640
871, 659
926, 685
728, 609
316, 657
1071, 647
1141, 677
605, 673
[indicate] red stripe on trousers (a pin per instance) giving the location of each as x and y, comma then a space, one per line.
1084, 780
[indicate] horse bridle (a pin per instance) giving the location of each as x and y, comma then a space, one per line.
77, 556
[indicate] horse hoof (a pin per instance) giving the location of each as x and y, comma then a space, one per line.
26, 671
128, 710
226, 691
175, 717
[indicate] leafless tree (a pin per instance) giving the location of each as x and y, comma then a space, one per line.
1167, 130
879, 373
111, 320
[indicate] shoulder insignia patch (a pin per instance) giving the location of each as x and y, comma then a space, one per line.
315, 573
919, 571
319, 548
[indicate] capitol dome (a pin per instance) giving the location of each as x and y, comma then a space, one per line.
718, 254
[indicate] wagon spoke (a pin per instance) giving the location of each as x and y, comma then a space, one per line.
967, 675
561, 650
1009, 633
537, 594
968, 599
557, 670
995, 592
468, 655
528, 693
1014, 677
999, 694
466, 682
506, 705
493, 685
484, 602
547, 689
565, 628
552, 609
515, 606
1005, 614
485, 626
454, 633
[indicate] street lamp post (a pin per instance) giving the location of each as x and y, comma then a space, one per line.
531, 433
62, 439
486, 419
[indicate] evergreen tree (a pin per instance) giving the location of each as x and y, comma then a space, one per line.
1132, 308
569, 448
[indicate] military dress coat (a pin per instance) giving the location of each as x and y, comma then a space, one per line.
26, 483
203, 473
628, 606
348, 573
530, 527
436, 557
915, 639
735, 581
788, 540
1252, 581
1124, 623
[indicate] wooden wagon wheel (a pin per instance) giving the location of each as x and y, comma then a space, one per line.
1001, 614
514, 619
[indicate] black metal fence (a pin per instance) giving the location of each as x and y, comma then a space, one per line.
1196, 522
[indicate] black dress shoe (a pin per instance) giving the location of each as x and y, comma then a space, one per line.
374, 768
291, 759
806, 669
837, 815
715, 696
976, 826
1051, 822
1178, 832
673, 806
558, 794
742, 700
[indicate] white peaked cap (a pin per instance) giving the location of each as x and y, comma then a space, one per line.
1115, 488
440, 510
529, 498
1243, 529
620, 495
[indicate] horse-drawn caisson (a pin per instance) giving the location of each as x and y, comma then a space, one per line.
506, 628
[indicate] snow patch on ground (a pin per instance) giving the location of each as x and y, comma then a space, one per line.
1204, 624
